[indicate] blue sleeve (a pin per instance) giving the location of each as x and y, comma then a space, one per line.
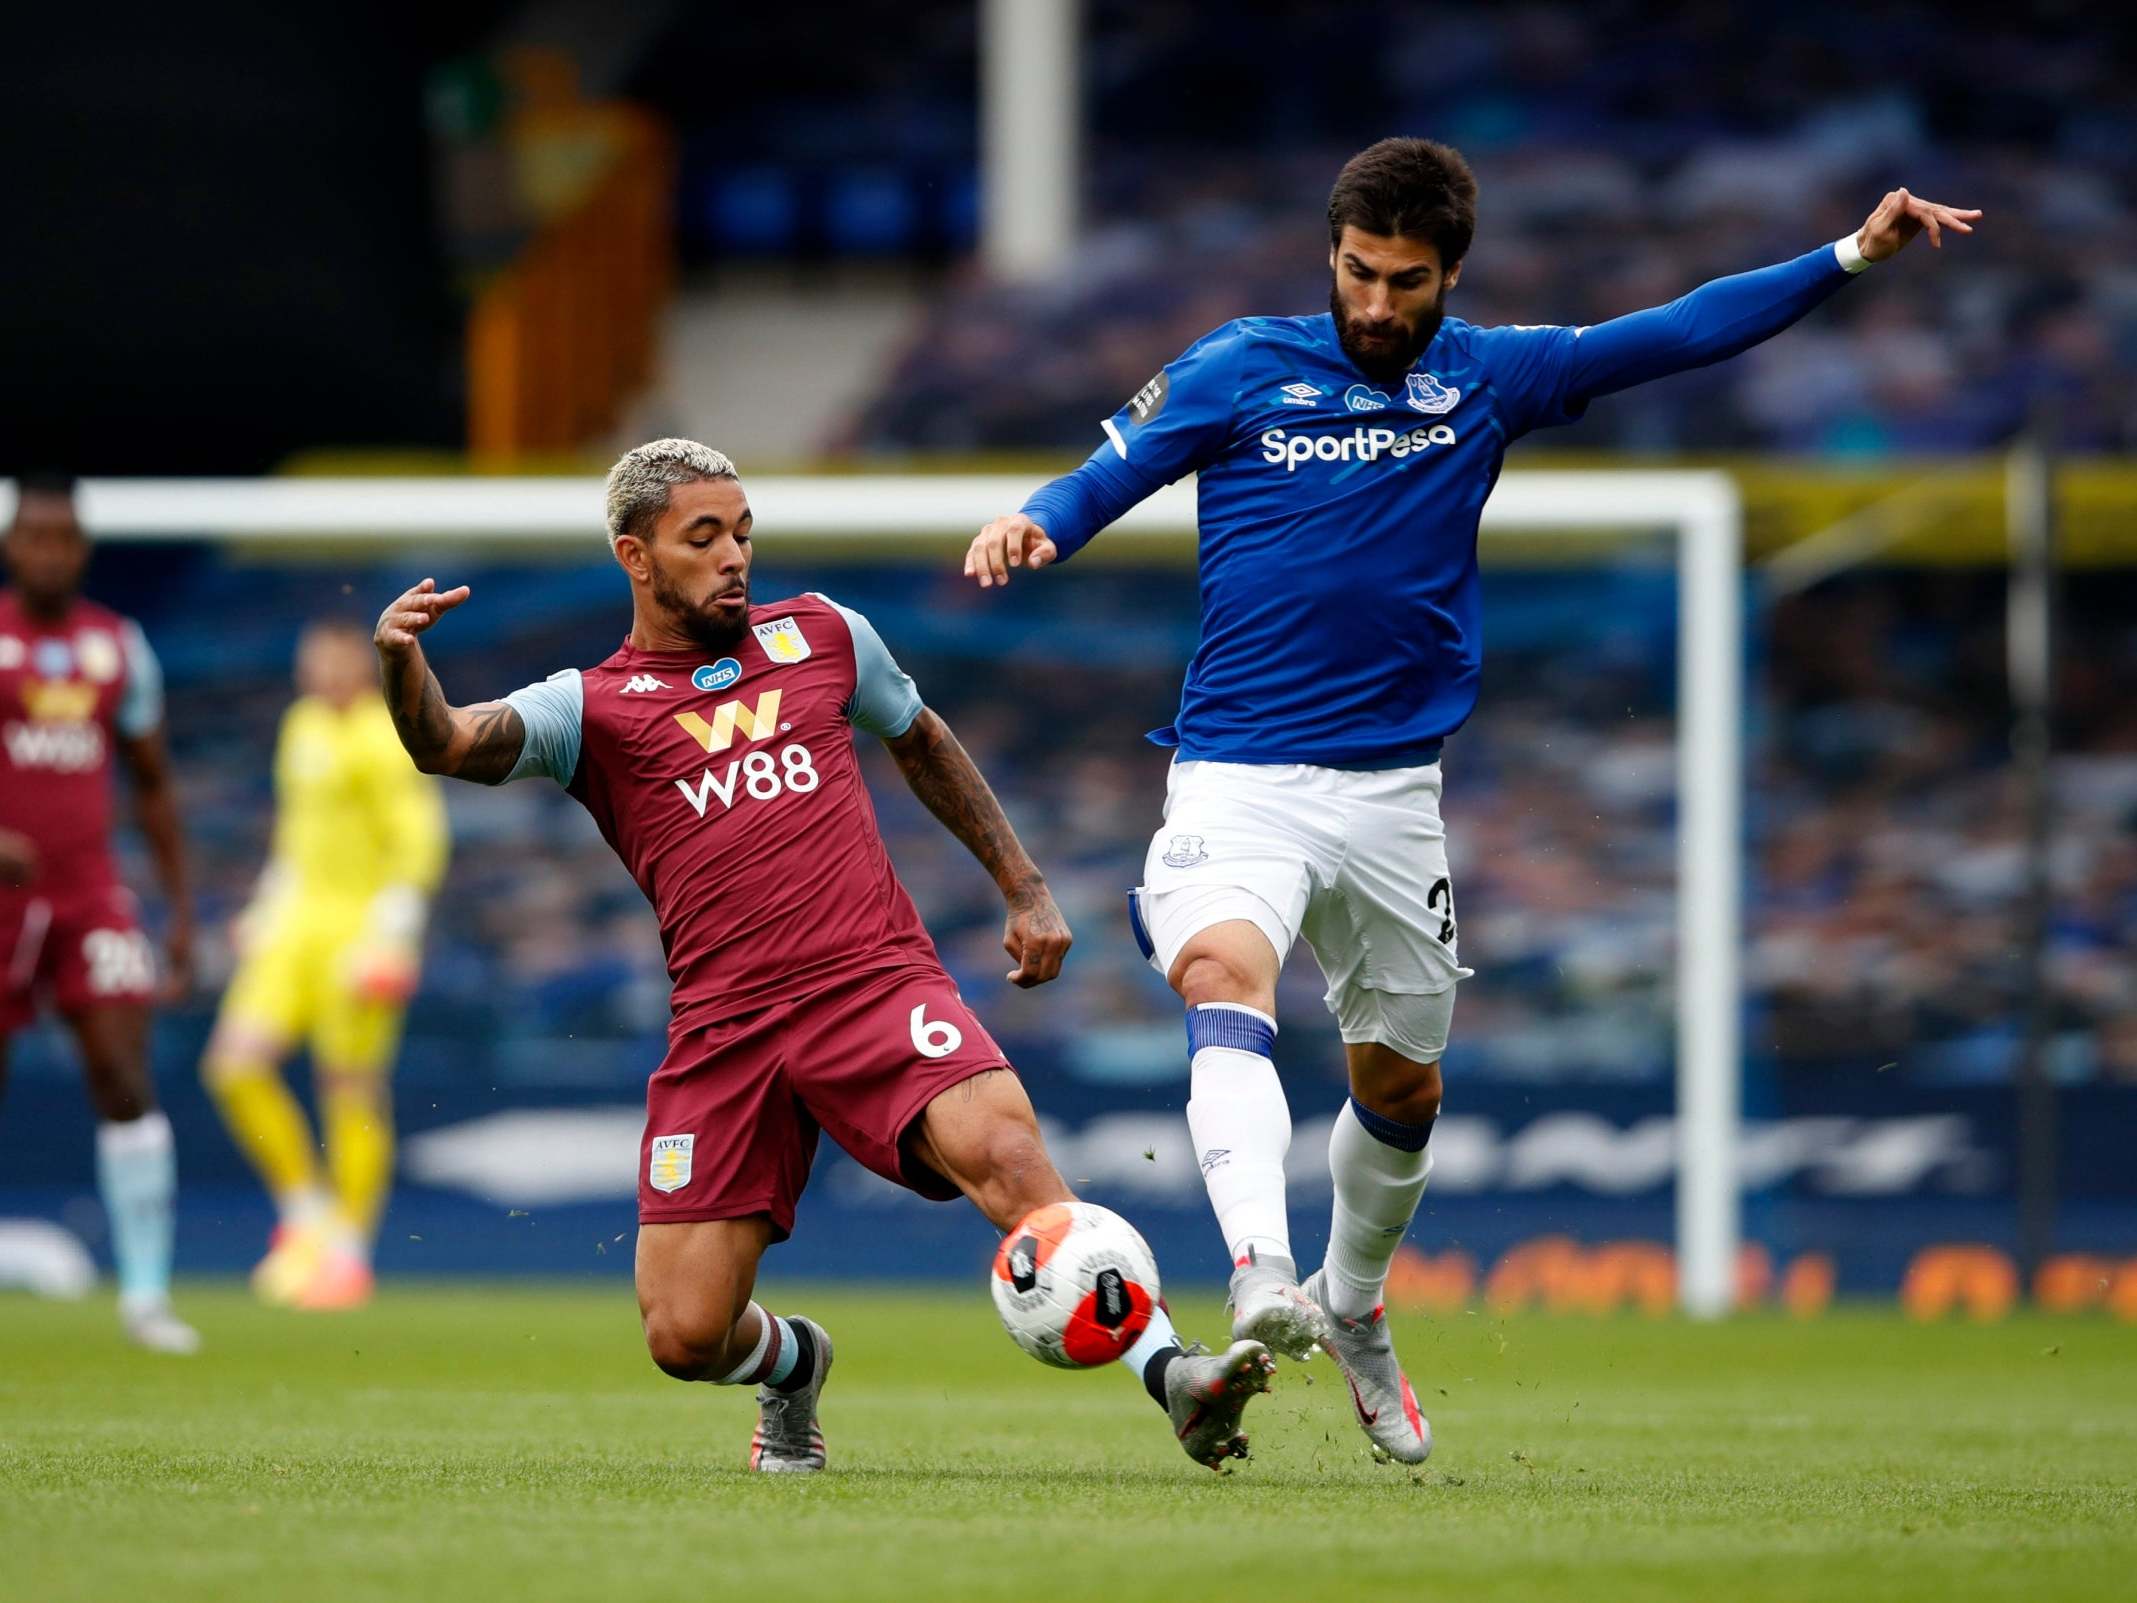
552, 712
1547, 376
1174, 424
140, 708
885, 701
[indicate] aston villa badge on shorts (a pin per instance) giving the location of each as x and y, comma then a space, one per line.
668, 1169
782, 640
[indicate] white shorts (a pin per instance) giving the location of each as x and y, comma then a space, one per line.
1355, 862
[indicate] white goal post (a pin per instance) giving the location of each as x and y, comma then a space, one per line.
1702, 509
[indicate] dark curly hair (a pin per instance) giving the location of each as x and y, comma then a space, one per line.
1413, 188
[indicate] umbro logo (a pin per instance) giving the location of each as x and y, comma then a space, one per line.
640, 683
1300, 393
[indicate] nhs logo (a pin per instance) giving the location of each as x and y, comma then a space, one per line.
716, 675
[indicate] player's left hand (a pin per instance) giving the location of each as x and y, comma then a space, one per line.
177, 961
1036, 936
1900, 216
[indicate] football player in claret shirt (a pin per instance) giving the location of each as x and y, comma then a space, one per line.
715, 752
1343, 460
78, 686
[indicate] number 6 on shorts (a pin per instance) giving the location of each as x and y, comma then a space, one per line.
934, 1038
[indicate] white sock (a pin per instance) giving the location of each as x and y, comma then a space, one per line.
137, 1172
1380, 1167
1241, 1125
1158, 1340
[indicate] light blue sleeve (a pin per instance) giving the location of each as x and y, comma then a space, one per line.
553, 712
885, 700
141, 705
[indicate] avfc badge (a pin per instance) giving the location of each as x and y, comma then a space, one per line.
716, 675
1428, 394
782, 640
668, 1164
99, 655
1185, 851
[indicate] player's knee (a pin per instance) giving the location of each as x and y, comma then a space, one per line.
1216, 977
354, 1088
233, 1055
1397, 1088
688, 1348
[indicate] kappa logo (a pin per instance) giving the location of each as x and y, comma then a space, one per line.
1184, 851
1364, 398
1428, 394
641, 683
668, 1163
755, 722
716, 675
782, 640
1300, 393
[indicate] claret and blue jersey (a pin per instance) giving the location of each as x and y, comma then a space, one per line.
1338, 515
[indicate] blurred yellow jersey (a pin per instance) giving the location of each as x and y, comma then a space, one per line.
352, 815
328, 950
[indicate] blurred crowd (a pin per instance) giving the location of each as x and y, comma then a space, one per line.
1625, 154
1884, 917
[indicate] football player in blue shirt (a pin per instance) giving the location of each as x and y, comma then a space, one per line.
1344, 460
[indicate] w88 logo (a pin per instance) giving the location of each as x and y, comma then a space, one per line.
759, 773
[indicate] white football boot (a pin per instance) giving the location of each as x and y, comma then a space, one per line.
1269, 1307
788, 1440
153, 1325
1206, 1392
1379, 1391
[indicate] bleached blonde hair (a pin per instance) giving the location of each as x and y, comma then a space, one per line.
639, 483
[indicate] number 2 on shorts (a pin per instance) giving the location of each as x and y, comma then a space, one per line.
934, 1038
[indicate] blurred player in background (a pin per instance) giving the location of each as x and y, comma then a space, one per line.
328, 954
807, 993
78, 683
1344, 461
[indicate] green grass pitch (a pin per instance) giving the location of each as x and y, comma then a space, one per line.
510, 1442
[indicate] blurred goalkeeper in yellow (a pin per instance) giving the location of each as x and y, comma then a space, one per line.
328, 956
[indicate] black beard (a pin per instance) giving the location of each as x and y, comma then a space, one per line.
711, 632
1389, 368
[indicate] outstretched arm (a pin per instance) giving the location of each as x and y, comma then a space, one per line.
949, 783
1730, 315
1171, 426
481, 743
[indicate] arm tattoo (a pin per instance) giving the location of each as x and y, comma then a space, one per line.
492, 739
475, 743
951, 787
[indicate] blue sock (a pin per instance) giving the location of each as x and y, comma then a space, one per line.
137, 1173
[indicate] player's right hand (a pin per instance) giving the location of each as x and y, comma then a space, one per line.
1011, 542
411, 613
18, 858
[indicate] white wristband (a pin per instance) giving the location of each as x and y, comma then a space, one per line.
1849, 253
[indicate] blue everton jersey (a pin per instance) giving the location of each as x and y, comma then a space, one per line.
1338, 516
